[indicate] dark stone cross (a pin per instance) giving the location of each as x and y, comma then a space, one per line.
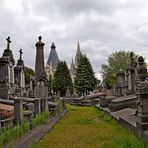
8, 42
21, 52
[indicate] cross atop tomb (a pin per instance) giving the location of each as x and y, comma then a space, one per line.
21, 52
8, 42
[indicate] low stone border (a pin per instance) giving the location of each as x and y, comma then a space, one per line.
125, 124
36, 134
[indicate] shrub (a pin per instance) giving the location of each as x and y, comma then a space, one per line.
40, 119
10, 133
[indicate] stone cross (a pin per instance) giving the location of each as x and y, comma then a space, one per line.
8, 42
21, 52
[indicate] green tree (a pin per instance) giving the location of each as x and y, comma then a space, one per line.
116, 61
62, 78
28, 73
85, 80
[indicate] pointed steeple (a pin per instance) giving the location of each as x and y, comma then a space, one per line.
78, 54
53, 58
72, 68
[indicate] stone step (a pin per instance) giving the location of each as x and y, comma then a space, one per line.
123, 102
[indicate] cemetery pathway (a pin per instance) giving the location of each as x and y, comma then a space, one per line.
87, 127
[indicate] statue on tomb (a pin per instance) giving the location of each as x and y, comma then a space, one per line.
141, 69
133, 63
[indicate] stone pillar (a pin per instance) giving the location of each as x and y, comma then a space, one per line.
142, 96
131, 74
18, 110
131, 80
120, 83
37, 106
39, 63
41, 82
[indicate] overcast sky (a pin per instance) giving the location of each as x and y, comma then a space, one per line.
102, 26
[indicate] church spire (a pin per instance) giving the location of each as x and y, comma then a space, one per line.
72, 68
78, 54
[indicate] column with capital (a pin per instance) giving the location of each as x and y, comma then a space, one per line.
41, 82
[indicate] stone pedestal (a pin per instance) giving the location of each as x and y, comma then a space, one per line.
142, 107
5, 86
18, 110
142, 96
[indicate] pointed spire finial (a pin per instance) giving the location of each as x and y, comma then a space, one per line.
21, 52
78, 47
53, 45
40, 38
8, 42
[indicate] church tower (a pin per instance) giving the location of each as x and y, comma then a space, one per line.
73, 65
52, 61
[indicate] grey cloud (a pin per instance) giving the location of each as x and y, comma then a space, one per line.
102, 27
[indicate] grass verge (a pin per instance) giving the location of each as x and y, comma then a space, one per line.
90, 128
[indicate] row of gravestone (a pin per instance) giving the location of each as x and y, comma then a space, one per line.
12, 84
127, 81
138, 98
12, 78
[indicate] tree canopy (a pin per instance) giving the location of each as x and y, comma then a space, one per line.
85, 80
28, 73
62, 79
116, 61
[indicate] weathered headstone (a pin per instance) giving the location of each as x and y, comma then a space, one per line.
120, 87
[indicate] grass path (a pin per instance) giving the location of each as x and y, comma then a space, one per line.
87, 127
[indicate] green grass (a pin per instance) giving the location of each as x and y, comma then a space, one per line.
11, 133
87, 127
40, 119
58, 108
